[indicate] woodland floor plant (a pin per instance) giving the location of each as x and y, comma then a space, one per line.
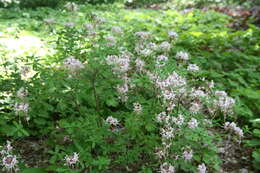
116, 100
132, 94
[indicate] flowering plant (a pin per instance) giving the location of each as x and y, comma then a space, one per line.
111, 99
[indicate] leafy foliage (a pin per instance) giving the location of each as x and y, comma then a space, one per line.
255, 143
140, 3
99, 93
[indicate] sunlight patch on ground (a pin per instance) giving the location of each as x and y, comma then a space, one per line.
196, 34
26, 45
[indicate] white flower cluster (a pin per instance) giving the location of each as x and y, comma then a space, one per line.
22, 107
195, 107
211, 84
27, 72
170, 106
161, 61
90, 29
193, 67
145, 48
139, 64
99, 20
153, 46
162, 117
111, 40
73, 64
182, 55
152, 76
120, 63
224, 102
69, 24
137, 108
168, 94
7, 149
187, 155
22, 93
173, 80
167, 168
71, 6
167, 132
117, 30
120, 66
9, 161
197, 93
166, 86
233, 127
173, 35
146, 52
89, 26
112, 121
220, 93
179, 120
160, 153
193, 123
202, 168
72, 159
143, 35
122, 89
165, 46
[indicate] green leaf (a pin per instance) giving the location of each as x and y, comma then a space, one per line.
34, 170
112, 102
256, 132
101, 162
254, 142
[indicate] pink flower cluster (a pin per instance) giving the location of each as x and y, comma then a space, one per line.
233, 127
72, 159
22, 106
9, 160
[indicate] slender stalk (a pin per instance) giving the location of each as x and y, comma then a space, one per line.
94, 90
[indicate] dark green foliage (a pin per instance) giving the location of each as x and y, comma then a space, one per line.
92, 1
68, 110
140, 3
30, 3
38, 3
255, 143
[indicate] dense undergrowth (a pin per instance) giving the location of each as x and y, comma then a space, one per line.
127, 94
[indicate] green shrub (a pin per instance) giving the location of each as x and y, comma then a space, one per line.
117, 100
29, 3
38, 3
139, 3
8, 3
93, 1
104, 94
255, 143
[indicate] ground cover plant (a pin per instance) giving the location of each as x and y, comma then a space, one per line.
132, 94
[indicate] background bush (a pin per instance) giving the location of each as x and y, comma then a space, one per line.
46, 3
140, 3
65, 113
39, 3
29, 3
92, 1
